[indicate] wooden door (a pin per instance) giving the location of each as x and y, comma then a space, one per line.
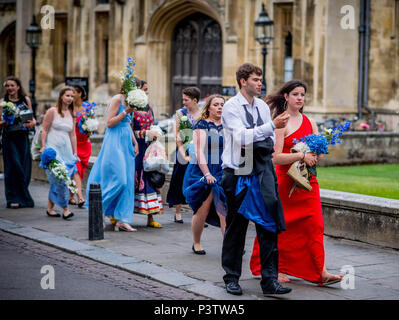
196, 57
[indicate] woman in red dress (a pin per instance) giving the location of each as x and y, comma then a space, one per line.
83, 146
301, 248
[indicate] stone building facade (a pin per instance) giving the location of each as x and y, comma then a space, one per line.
201, 42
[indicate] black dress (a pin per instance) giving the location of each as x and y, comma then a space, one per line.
175, 193
17, 162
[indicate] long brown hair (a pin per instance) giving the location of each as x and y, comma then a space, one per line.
277, 100
205, 110
21, 91
59, 102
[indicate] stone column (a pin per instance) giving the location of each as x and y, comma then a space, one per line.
23, 54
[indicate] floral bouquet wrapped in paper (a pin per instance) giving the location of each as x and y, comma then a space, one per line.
56, 168
10, 112
88, 122
315, 143
136, 98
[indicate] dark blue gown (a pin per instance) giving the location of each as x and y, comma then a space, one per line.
17, 162
195, 188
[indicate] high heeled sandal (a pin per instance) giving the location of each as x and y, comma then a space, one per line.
125, 227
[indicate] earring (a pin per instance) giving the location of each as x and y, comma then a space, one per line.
285, 105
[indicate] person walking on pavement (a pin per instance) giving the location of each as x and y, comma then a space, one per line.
201, 185
83, 145
58, 133
301, 246
17, 158
191, 111
249, 181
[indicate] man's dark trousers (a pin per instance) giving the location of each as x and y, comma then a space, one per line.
234, 239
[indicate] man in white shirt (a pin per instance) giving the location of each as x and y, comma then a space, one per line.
247, 122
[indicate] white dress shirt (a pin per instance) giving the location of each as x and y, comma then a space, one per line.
235, 130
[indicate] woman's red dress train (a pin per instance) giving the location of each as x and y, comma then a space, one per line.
301, 248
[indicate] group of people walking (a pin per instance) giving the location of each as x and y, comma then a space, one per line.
231, 171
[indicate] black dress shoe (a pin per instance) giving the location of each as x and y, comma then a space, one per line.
200, 252
178, 221
57, 215
70, 215
276, 288
233, 288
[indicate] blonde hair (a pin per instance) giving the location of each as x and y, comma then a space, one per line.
205, 110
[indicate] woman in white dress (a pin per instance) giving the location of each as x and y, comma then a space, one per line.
58, 133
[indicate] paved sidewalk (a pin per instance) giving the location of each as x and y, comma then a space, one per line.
165, 254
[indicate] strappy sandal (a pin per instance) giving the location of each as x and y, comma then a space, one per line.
72, 202
125, 227
283, 278
330, 281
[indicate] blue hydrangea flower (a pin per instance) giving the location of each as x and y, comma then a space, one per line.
9, 119
316, 143
48, 155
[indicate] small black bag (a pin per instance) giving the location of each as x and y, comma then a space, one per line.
156, 179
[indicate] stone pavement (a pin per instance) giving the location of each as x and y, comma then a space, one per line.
165, 254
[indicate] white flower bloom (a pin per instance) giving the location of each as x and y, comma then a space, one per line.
184, 118
91, 124
137, 98
301, 147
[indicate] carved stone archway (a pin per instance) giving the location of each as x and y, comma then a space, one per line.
158, 38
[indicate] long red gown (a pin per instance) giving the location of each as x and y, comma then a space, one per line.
84, 149
301, 248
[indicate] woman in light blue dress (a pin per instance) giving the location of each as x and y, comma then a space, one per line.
58, 134
115, 166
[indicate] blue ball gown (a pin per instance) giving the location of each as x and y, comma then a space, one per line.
114, 170
195, 188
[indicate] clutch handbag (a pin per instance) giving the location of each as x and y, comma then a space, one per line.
26, 115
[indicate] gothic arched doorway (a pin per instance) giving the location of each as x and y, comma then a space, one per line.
7, 53
196, 57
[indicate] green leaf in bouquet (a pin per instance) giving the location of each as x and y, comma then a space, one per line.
313, 170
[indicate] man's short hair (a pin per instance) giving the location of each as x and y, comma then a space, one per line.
192, 93
245, 71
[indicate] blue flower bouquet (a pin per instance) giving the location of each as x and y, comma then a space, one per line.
56, 168
315, 143
88, 122
10, 112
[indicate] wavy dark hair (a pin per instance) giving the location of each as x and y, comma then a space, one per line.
277, 100
21, 91
81, 90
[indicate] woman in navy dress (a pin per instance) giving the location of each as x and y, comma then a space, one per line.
202, 181
191, 110
16, 149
